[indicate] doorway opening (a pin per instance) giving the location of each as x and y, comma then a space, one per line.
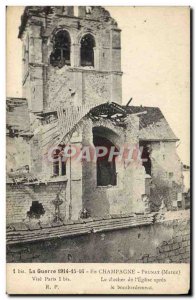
105, 167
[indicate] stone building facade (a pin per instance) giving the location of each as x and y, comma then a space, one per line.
72, 66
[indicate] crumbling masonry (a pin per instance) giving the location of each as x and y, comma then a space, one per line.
72, 95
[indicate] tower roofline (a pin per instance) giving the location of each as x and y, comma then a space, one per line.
98, 14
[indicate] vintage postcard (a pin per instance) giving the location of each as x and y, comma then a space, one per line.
98, 150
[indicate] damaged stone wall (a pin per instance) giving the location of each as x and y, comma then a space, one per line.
18, 133
97, 86
33, 67
167, 180
43, 83
126, 195
173, 250
165, 241
36, 155
61, 87
17, 153
20, 198
82, 87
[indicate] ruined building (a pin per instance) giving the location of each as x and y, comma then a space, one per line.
72, 95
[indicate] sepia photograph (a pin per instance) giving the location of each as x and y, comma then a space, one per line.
98, 135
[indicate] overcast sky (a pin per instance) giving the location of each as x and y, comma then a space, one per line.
155, 61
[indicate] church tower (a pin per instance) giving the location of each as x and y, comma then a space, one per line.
71, 56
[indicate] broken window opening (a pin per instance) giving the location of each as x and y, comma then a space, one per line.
56, 168
88, 10
59, 163
63, 168
146, 161
106, 170
87, 50
60, 55
36, 210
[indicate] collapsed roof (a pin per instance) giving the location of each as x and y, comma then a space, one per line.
152, 123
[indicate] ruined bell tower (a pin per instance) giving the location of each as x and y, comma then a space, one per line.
71, 56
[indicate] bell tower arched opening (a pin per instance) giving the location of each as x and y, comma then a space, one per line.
60, 55
87, 50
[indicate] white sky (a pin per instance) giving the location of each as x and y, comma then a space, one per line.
155, 62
